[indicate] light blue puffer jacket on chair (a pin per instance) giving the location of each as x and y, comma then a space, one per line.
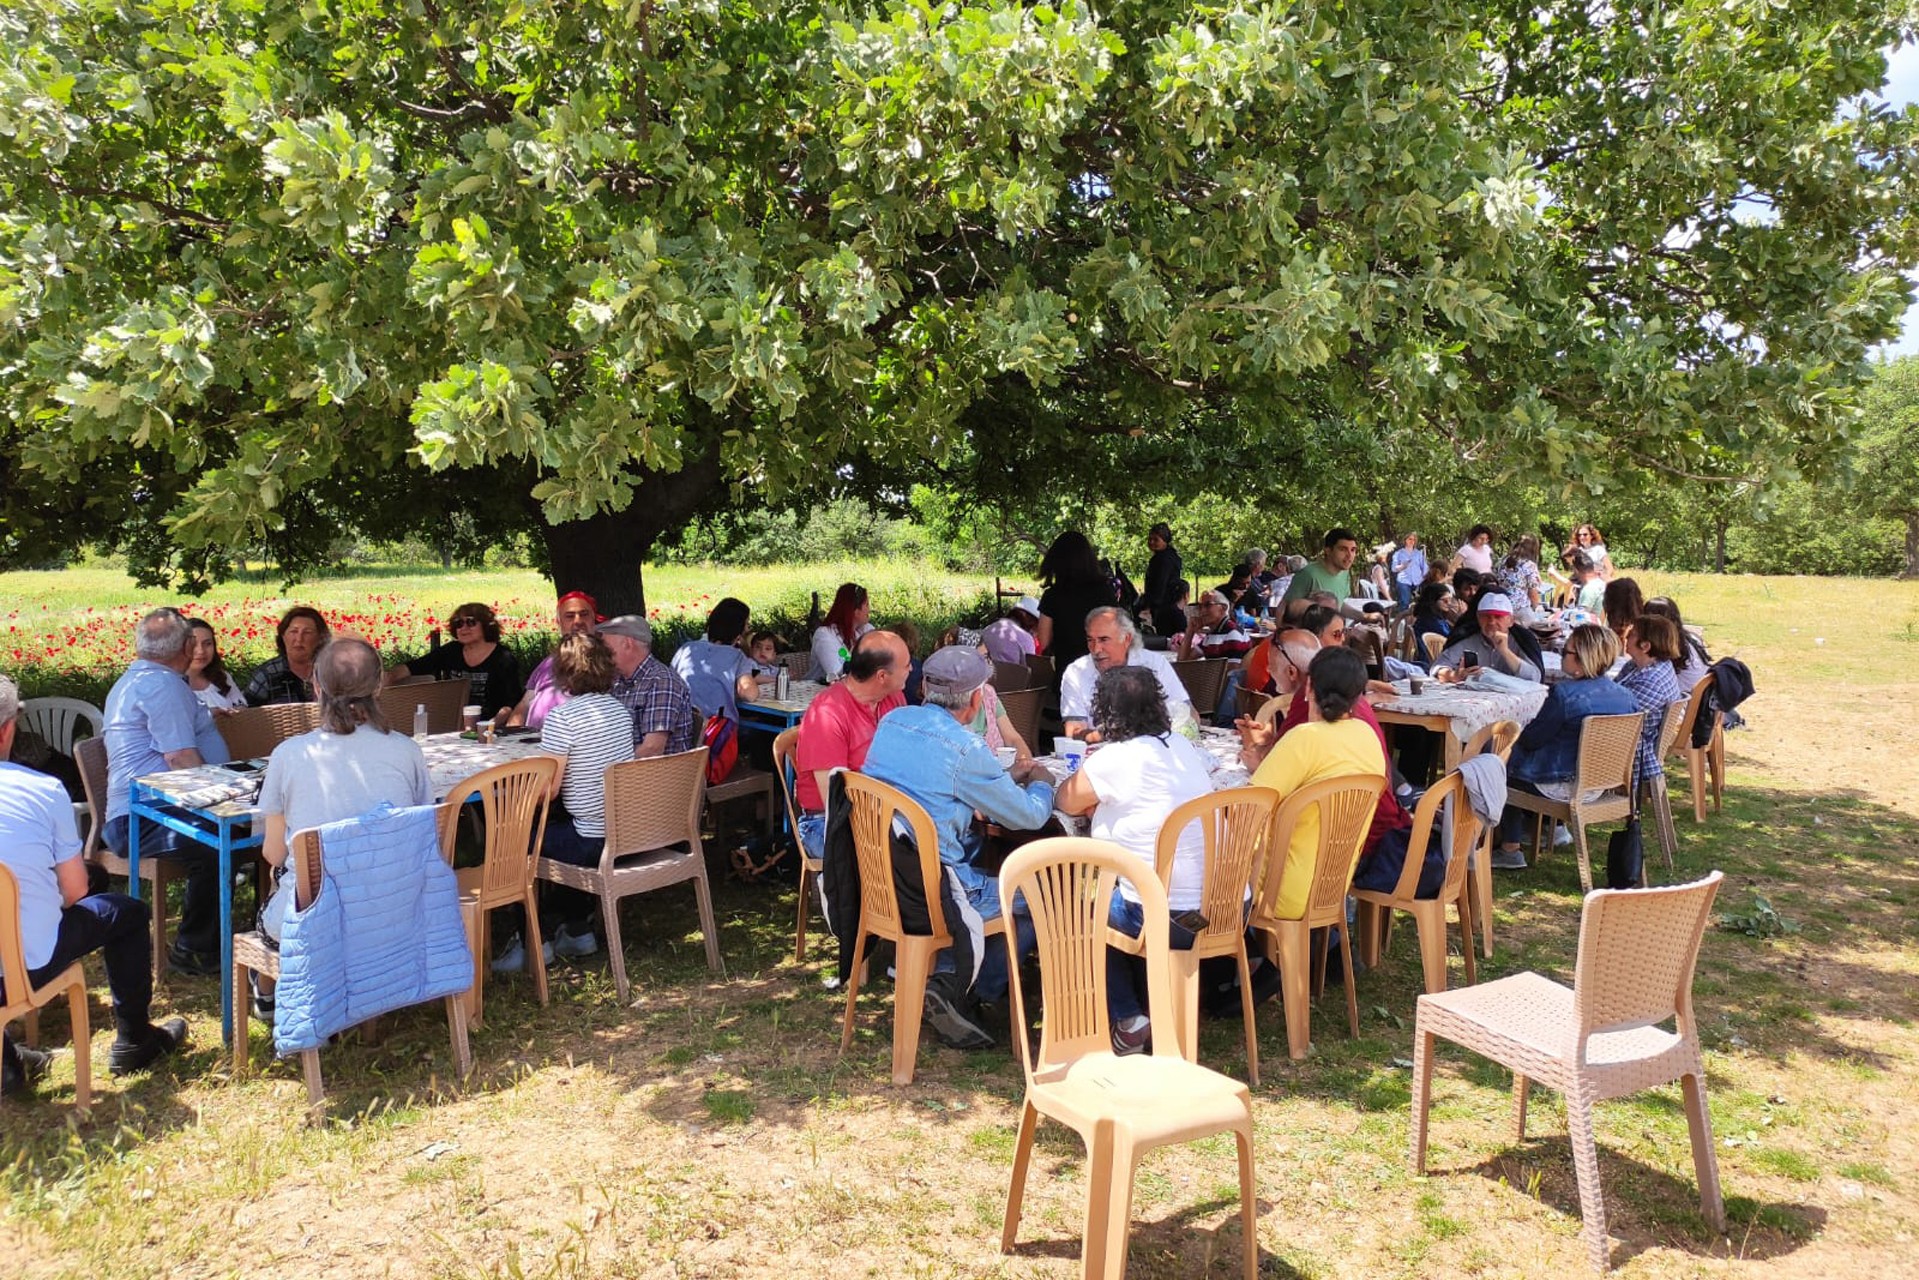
384, 933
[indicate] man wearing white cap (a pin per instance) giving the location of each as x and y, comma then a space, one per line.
1491, 646
1010, 639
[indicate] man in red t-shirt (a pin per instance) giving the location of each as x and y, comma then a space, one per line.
839, 725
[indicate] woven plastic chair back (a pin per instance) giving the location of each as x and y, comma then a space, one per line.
1637, 952
441, 698
784, 748
1669, 729
1042, 667
1251, 700
58, 721
1435, 644
1022, 707
874, 805
1234, 823
1345, 808
1204, 679
653, 803
91, 755
513, 806
797, 664
255, 731
1008, 676
1608, 746
309, 866
1067, 884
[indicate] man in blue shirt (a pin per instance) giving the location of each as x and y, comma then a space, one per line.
154, 723
929, 753
60, 922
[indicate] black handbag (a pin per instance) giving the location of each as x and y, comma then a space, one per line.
1626, 849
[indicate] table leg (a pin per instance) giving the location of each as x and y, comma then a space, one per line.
226, 933
1454, 748
133, 853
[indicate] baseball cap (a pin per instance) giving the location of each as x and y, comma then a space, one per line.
631, 625
1027, 605
955, 669
1491, 602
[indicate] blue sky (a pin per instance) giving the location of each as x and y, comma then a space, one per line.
1902, 86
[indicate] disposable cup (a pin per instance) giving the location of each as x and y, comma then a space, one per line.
469, 718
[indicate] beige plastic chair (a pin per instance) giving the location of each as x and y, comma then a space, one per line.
1272, 711
1429, 914
874, 805
1600, 1039
252, 732
1652, 791
58, 721
1011, 676
1235, 824
252, 952
443, 700
1701, 761
24, 1001
784, 746
1120, 1106
652, 842
513, 809
1608, 746
1022, 707
1204, 680
1042, 668
91, 755
1345, 808
1500, 736
1435, 645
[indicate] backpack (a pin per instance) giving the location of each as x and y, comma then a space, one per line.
722, 739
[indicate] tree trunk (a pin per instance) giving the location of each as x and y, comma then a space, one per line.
603, 556
1912, 545
1719, 544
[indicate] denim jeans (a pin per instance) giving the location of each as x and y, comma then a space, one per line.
1403, 592
1516, 824
563, 904
116, 926
1125, 974
812, 835
198, 929
990, 986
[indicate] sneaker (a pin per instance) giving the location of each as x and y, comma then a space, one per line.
262, 1004
128, 1056
513, 959
953, 1027
1513, 859
197, 963
1562, 834
1132, 1035
23, 1067
572, 945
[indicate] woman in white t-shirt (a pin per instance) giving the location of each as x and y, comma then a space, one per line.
1138, 774
834, 638
1476, 552
206, 675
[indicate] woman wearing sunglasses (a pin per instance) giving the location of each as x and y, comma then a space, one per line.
492, 672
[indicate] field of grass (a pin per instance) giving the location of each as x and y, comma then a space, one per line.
710, 1128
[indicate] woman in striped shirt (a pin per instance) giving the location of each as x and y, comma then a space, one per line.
589, 731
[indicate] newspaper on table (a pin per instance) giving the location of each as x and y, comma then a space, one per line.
209, 788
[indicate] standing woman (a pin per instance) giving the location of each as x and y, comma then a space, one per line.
206, 674
1475, 552
1164, 573
289, 677
1075, 587
1518, 573
492, 672
1588, 539
834, 638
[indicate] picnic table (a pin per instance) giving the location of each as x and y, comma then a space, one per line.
777, 714
216, 804
1456, 712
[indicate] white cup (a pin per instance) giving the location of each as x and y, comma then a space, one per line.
469, 718
1006, 756
1071, 750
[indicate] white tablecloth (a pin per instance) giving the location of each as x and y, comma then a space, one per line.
1468, 710
799, 696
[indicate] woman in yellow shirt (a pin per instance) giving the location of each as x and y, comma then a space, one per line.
1333, 743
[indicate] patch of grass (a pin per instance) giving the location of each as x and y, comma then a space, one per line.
1866, 1171
1787, 1164
728, 1106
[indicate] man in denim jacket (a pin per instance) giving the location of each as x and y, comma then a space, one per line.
928, 752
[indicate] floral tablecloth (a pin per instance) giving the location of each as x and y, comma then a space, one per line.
1468, 710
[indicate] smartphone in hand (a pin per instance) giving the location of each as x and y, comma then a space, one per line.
1468, 660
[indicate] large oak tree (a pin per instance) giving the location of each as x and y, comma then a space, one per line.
591, 268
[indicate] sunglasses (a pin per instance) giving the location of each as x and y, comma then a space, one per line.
464, 621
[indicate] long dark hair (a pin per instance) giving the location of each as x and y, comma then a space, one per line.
1070, 559
216, 671
846, 601
1664, 607
1426, 603
1623, 603
1338, 677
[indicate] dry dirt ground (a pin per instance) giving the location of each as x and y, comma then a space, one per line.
712, 1130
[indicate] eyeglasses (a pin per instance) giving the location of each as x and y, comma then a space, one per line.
466, 622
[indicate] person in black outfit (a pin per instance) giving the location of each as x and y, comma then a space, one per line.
1074, 588
492, 672
1164, 572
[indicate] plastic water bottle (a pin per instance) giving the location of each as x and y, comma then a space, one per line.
419, 722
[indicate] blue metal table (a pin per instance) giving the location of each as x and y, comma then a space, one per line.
774, 715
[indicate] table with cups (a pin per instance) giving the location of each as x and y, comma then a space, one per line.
1455, 712
1220, 746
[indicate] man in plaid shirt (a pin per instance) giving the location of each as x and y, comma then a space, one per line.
665, 720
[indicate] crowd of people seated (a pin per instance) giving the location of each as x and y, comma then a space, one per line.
932, 724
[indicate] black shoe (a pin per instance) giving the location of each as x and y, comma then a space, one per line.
197, 963
954, 1028
128, 1056
23, 1067
1266, 982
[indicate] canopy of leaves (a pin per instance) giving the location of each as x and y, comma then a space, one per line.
267, 267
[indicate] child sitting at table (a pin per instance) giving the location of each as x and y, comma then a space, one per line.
764, 650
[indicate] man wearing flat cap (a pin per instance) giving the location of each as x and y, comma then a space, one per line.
665, 721
929, 752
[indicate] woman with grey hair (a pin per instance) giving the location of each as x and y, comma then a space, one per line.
351, 764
